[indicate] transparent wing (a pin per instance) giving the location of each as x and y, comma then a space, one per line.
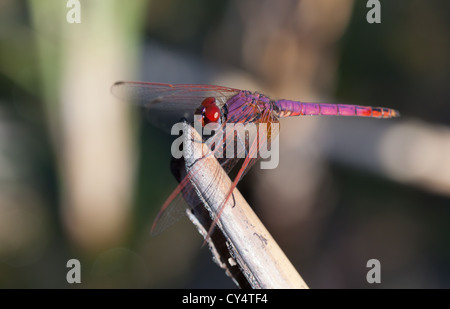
167, 104
183, 198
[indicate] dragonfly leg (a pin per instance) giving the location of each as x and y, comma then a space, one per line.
234, 200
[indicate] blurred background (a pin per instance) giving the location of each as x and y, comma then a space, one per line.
82, 174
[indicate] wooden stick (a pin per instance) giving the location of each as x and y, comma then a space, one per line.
240, 243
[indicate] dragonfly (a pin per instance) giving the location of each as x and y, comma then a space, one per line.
168, 104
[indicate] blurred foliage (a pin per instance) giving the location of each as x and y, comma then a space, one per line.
402, 62
183, 24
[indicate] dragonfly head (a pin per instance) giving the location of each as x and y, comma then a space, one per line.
209, 111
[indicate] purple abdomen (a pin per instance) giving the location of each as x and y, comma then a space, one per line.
287, 108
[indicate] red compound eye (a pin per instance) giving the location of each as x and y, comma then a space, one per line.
208, 101
212, 111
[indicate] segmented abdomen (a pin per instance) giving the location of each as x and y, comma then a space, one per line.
287, 108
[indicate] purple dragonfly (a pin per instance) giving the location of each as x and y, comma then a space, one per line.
167, 104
